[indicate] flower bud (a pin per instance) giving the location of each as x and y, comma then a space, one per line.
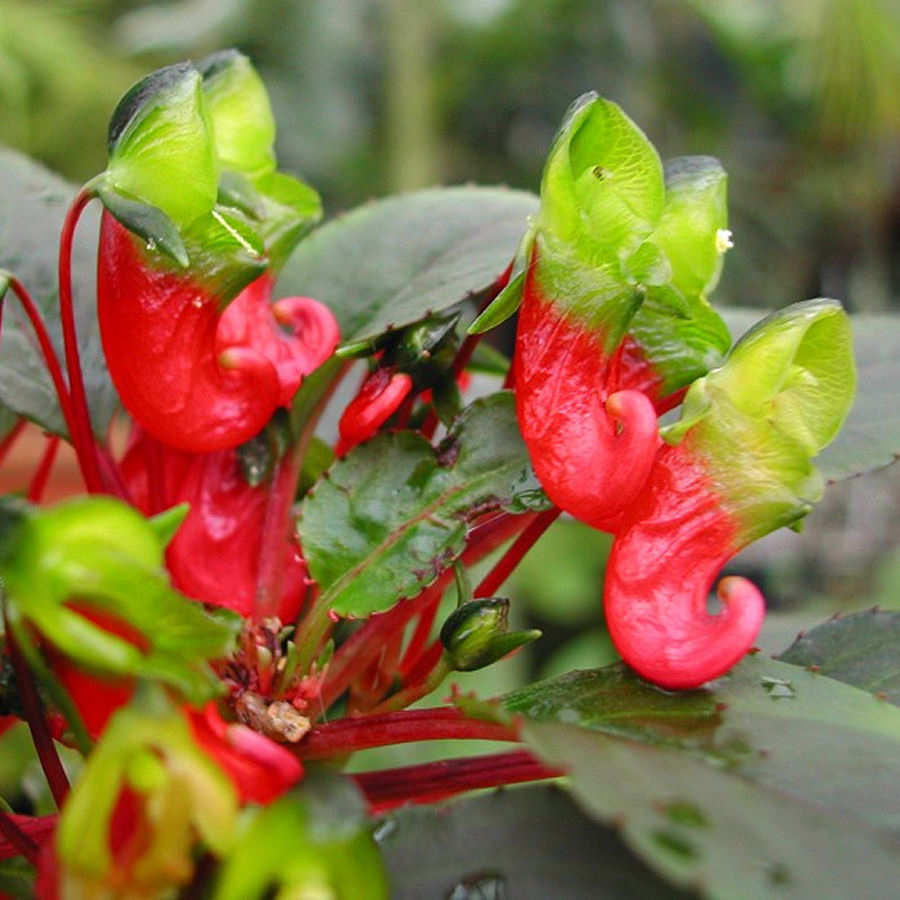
475, 635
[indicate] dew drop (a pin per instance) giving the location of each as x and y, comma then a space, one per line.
480, 886
778, 688
151, 244
384, 830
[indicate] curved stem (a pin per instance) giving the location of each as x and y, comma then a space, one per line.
435, 781
26, 845
81, 433
51, 361
42, 474
37, 724
416, 690
9, 441
419, 638
362, 732
508, 562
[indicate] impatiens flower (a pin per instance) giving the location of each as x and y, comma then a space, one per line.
215, 554
736, 467
199, 356
613, 321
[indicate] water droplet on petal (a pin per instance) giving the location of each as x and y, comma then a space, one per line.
484, 886
778, 688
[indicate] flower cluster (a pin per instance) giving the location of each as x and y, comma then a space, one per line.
172, 617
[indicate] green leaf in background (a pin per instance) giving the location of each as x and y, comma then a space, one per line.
313, 842
33, 203
711, 829
527, 844
780, 725
870, 437
862, 649
389, 263
393, 514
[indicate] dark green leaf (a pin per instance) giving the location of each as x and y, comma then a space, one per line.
862, 649
389, 263
707, 827
393, 514
780, 725
33, 203
870, 438
528, 844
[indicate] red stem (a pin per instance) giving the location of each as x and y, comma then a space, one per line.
37, 724
7, 443
423, 665
419, 638
39, 481
434, 781
492, 582
276, 524
349, 735
82, 436
18, 839
47, 351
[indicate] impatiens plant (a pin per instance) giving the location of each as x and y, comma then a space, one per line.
249, 592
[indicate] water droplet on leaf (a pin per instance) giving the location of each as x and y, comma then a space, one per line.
778, 688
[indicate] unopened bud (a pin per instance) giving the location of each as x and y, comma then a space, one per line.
475, 635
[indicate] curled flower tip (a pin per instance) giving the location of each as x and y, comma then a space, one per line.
246, 361
668, 636
378, 399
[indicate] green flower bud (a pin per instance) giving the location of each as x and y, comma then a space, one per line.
475, 634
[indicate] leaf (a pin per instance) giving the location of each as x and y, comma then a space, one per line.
862, 649
313, 841
527, 844
393, 514
870, 437
706, 827
33, 203
777, 724
389, 263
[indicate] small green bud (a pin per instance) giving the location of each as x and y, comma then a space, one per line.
475, 635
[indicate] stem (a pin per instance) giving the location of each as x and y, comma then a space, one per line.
275, 532
37, 724
357, 653
51, 361
15, 836
308, 638
419, 638
426, 661
491, 582
7, 443
39, 481
434, 781
415, 691
444, 723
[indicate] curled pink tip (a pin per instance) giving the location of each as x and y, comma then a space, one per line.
682, 646
245, 360
378, 399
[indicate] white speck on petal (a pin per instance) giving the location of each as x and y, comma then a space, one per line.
723, 240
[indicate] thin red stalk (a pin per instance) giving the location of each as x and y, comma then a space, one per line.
18, 839
419, 638
37, 724
276, 524
422, 667
7, 443
492, 582
358, 652
509, 383
435, 781
50, 359
362, 732
81, 433
39, 481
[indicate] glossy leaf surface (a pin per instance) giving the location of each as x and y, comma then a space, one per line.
393, 514
389, 263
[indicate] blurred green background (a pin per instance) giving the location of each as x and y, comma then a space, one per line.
798, 99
